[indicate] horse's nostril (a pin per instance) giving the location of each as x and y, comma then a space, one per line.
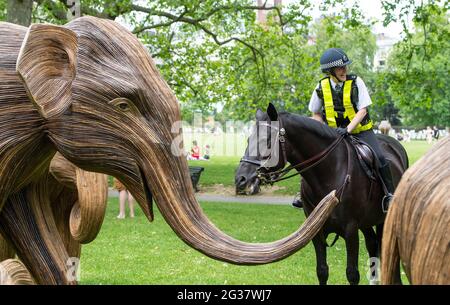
241, 181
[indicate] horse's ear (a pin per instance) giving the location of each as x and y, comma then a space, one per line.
272, 112
259, 115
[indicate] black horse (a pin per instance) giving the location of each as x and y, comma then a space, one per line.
246, 178
327, 161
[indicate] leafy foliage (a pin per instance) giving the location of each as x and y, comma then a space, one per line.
2, 10
220, 62
419, 69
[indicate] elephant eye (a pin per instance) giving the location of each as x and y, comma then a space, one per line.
122, 104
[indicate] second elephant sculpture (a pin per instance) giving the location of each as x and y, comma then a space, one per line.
417, 228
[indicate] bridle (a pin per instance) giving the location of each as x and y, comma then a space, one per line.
281, 139
278, 175
254, 162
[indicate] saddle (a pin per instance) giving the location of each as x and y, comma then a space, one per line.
366, 157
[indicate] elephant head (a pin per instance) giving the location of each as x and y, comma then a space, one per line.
105, 107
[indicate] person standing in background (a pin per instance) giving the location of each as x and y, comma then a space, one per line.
123, 194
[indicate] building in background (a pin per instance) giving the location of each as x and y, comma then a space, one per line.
384, 46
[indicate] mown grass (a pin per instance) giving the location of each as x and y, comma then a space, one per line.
221, 170
134, 251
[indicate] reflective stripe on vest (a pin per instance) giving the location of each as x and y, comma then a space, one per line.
331, 114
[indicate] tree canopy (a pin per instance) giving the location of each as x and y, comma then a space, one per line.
219, 60
419, 69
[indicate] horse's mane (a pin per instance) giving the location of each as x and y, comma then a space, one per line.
303, 122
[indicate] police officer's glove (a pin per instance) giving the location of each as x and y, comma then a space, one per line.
342, 131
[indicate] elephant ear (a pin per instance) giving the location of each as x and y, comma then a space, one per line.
47, 66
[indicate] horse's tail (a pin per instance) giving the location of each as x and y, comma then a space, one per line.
390, 256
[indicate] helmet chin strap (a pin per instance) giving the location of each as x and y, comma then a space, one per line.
334, 75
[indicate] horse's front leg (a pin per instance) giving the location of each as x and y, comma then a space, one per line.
352, 246
320, 248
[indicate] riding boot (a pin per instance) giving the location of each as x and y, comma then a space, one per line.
297, 203
386, 176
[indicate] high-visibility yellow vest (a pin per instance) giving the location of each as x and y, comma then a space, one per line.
330, 112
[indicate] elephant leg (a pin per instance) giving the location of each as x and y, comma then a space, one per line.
27, 222
373, 249
352, 246
321, 258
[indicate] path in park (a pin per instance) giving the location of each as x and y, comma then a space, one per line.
230, 199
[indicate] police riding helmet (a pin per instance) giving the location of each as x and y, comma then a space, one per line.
333, 58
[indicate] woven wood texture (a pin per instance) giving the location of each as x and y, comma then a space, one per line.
78, 200
13, 272
417, 228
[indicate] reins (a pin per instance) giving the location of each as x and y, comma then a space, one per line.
272, 177
254, 162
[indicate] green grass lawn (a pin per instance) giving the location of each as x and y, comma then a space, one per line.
221, 169
134, 251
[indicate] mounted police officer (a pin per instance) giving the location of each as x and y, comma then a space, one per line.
341, 101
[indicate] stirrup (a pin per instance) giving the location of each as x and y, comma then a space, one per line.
386, 202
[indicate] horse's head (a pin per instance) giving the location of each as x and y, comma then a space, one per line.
265, 151
246, 178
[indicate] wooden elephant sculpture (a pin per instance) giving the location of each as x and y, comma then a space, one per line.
78, 202
91, 91
417, 227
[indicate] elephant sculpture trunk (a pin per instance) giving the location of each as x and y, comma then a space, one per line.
182, 212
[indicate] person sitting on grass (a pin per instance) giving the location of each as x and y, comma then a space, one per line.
195, 151
206, 156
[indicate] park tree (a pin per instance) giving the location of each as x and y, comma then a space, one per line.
216, 58
383, 107
2, 10
291, 60
19, 11
419, 68
213, 53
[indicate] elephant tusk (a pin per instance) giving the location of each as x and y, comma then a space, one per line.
88, 212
